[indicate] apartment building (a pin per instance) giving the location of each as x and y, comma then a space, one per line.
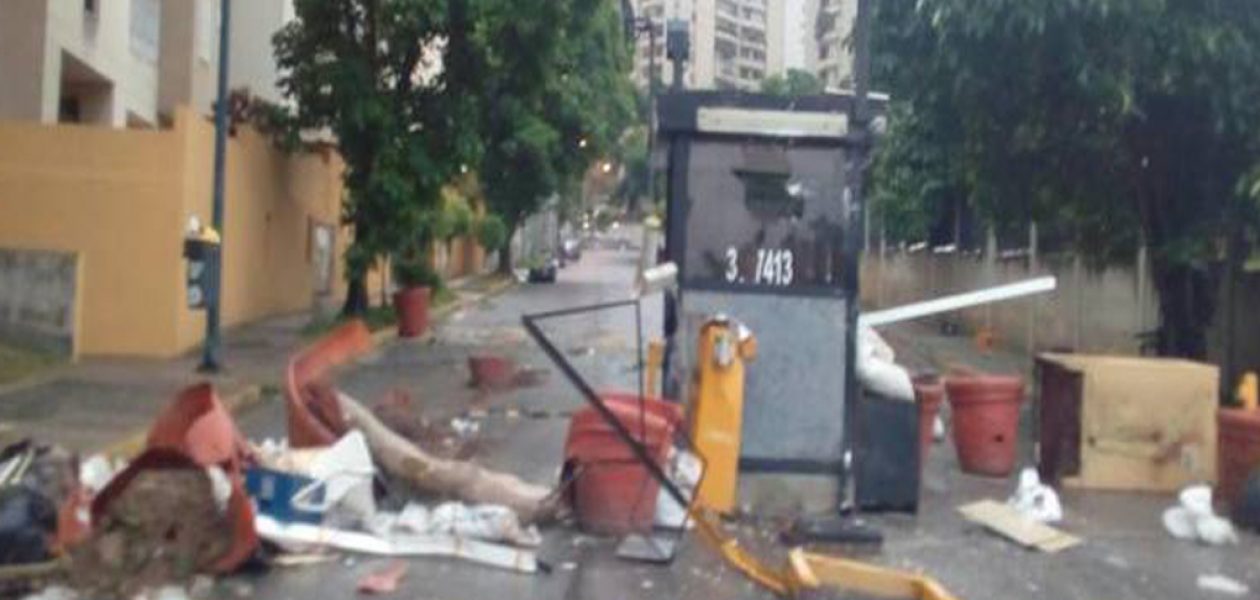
129, 63
735, 44
830, 56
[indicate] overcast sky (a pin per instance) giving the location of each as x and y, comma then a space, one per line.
793, 42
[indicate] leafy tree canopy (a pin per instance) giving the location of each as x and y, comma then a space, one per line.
368, 72
796, 82
1126, 121
551, 77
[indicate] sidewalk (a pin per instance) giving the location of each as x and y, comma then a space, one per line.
106, 404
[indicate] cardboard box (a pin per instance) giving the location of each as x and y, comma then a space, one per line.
1126, 423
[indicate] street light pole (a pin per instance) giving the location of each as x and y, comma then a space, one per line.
651, 149
210, 352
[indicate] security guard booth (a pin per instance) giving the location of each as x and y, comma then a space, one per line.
763, 221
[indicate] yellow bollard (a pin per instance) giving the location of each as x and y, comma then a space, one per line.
1248, 394
717, 408
655, 358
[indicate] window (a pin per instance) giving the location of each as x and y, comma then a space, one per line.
146, 20
206, 19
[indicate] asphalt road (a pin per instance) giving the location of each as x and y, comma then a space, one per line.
1126, 554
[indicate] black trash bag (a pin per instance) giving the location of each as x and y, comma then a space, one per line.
28, 523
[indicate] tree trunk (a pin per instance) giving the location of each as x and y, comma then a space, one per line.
357, 301
356, 296
505, 253
1187, 302
461, 480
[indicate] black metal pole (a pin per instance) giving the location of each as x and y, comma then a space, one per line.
210, 352
651, 167
853, 195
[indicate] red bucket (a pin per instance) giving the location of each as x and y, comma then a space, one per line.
986, 422
614, 493
1238, 451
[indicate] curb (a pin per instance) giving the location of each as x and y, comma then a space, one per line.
250, 395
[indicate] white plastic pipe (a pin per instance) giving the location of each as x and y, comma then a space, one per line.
957, 302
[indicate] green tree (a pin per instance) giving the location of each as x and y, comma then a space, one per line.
1125, 121
797, 82
357, 69
551, 76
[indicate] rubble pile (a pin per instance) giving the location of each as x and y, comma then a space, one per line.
164, 527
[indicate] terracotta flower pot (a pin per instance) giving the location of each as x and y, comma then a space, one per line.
986, 422
1238, 451
412, 307
489, 371
929, 392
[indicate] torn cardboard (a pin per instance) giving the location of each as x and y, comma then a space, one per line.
1009, 523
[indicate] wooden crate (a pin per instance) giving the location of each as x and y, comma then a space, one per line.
1126, 423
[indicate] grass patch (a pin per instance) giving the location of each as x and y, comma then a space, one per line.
18, 363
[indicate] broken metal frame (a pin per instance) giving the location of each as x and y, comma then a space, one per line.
776, 580
803, 571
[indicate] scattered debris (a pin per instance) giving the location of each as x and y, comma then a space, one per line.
1036, 500
162, 528
301, 560
465, 427
1223, 585
401, 414
1009, 523
878, 370
97, 470
54, 592
489, 523
305, 537
462, 480
491, 371
808, 571
28, 522
1192, 519
383, 581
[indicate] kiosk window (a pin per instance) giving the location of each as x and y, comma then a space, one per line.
765, 215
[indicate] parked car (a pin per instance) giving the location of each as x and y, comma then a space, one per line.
572, 249
545, 271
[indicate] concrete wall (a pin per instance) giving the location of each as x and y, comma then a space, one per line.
112, 197
23, 30
253, 59
272, 203
1091, 311
188, 65
103, 43
38, 299
120, 200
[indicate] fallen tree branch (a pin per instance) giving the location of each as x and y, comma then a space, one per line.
461, 480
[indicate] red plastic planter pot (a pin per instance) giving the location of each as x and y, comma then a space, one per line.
1238, 451
929, 392
489, 371
613, 493
412, 308
986, 422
